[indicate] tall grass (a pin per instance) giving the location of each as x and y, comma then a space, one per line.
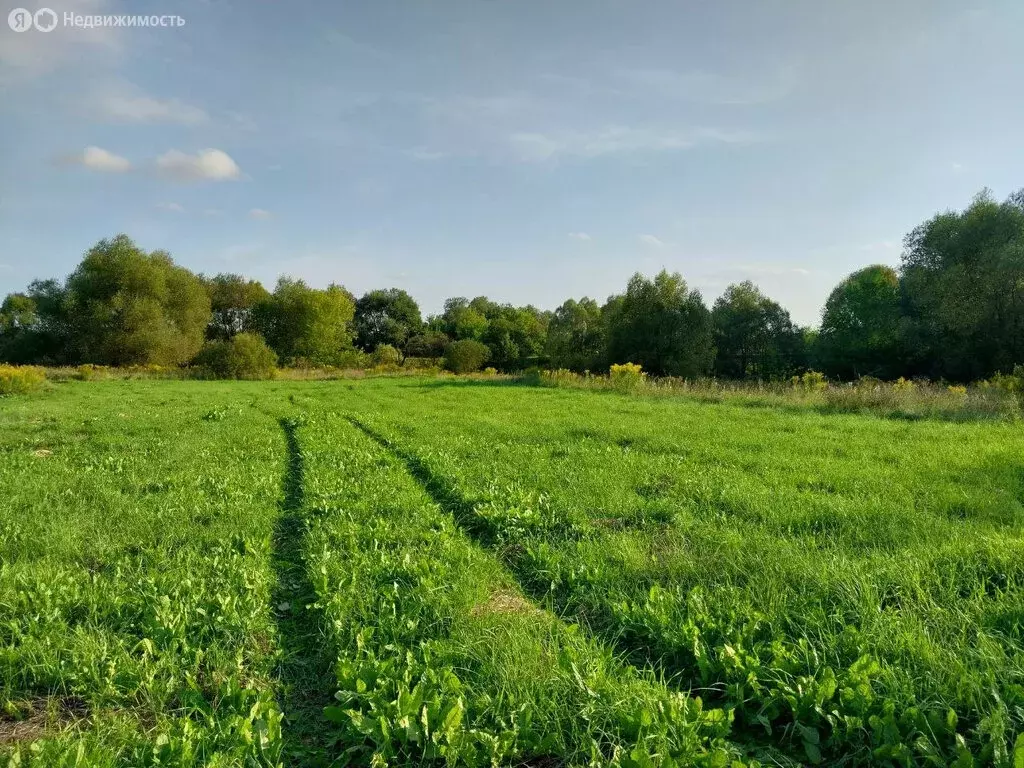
19, 379
997, 399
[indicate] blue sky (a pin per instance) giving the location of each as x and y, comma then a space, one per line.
529, 150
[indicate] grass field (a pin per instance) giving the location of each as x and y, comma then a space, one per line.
439, 571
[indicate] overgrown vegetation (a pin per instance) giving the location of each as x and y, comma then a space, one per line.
19, 379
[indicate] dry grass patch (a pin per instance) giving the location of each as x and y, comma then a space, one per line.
32, 719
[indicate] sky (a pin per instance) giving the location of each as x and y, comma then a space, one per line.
525, 150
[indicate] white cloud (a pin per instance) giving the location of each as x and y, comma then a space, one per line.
126, 104
651, 240
618, 139
207, 164
96, 159
580, 236
213, 212
259, 213
956, 167
173, 207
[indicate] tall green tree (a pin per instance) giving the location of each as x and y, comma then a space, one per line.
232, 298
127, 306
754, 335
576, 336
19, 318
861, 326
306, 325
963, 290
663, 325
460, 320
389, 316
515, 336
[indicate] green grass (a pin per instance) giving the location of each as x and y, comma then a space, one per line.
431, 571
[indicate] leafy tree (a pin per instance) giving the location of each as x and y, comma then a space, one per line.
963, 290
576, 336
386, 317
662, 325
466, 356
232, 299
754, 335
861, 326
306, 325
19, 318
515, 336
430, 343
126, 306
243, 356
460, 320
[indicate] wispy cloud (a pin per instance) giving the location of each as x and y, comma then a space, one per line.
98, 159
618, 139
260, 213
28, 55
172, 207
747, 89
651, 240
124, 103
580, 236
207, 164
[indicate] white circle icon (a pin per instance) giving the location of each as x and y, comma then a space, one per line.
20, 20
45, 20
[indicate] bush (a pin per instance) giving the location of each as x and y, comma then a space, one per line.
386, 356
423, 363
18, 379
812, 381
91, 372
626, 376
465, 356
1012, 383
245, 356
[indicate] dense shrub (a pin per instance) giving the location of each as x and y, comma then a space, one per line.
423, 363
465, 356
385, 356
244, 356
626, 376
18, 379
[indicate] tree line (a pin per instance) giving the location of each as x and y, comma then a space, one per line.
954, 309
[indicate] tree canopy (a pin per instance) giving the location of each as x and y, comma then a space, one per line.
663, 325
306, 325
389, 316
133, 307
754, 335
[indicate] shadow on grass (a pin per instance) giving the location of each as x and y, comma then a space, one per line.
305, 668
439, 488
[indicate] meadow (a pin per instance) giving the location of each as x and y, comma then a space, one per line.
448, 571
